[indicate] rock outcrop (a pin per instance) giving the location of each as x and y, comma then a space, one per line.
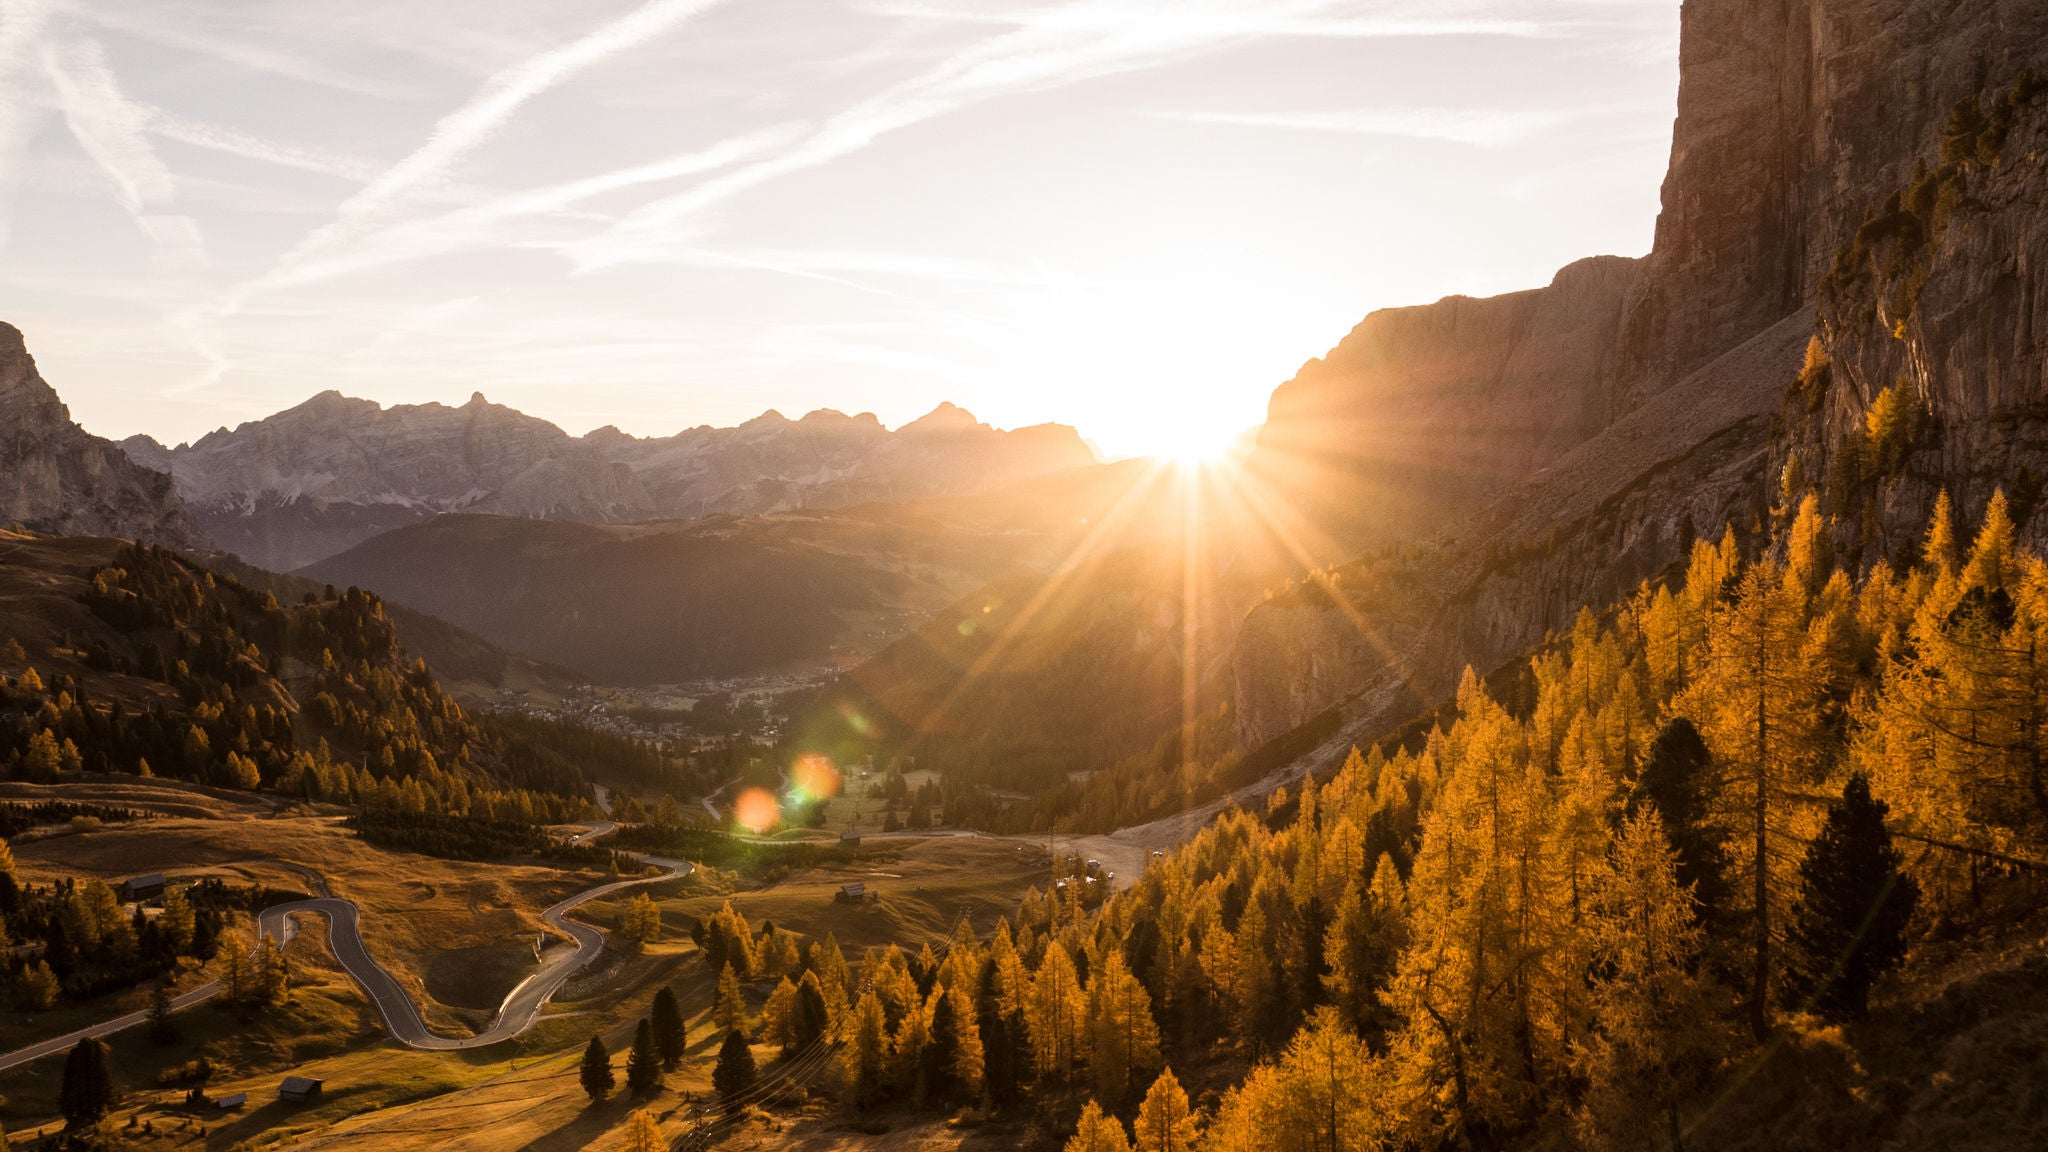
56, 477
315, 480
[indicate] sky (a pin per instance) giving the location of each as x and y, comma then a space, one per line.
1133, 216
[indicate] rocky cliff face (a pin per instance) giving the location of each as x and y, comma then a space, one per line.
1867, 173
317, 479
56, 477
1419, 412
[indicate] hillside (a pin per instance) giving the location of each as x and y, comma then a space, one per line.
723, 596
314, 480
118, 655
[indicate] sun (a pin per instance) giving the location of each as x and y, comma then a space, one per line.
1199, 444
1191, 438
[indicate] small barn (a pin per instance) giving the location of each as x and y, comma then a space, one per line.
299, 1089
143, 887
232, 1102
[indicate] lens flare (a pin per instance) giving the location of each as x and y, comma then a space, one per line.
814, 777
756, 810
855, 720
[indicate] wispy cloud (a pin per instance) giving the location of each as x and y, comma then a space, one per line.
461, 131
1480, 126
112, 129
346, 243
21, 26
490, 224
1370, 19
1044, 47
233, 142
149, 22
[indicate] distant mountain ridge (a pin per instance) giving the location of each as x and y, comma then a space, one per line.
314, 480
57, 477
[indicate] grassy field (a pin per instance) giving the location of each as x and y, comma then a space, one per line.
458, 935
924, 892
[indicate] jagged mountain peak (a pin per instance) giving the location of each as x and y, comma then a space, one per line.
947, 417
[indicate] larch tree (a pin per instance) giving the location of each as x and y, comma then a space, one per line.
1318, 1097
1098, 1131
864, 1063
729, 1009
643, 1134
1757, 700
1470, 984
1054, 1013
1654, 1041
781, 1018
1165, 1121
1123, 1038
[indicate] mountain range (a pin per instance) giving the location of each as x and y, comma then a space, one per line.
311, 481
1844, 293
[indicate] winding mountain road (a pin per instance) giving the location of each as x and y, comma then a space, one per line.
401, 1015
522, 1005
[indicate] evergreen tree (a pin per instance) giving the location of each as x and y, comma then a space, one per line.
671, 1037
734, 1072
596, 1075
1677, 780
1001, 1056
814, 1016
87, 1091
643, 1062
162, 1028
941, 1050
1854, 905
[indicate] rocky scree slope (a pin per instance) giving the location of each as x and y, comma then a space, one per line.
56, 477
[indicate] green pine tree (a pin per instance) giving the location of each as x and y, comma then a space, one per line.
671, 1036
734, 1072
643, 1063
87, 1092
1850, 927
596, 1075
